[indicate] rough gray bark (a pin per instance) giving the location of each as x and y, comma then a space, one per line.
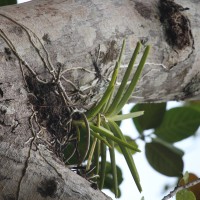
83, 39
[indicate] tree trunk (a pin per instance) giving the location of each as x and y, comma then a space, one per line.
54, 47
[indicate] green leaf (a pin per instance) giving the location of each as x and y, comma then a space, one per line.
113, 163
134, 81
127, 155
169, 146
124, 81
114, 169
96, 157
194, 104
7, 2
108, 184
152, 118
96, 135
125, 116
114, 79
102, 104
95, 110
130, 141
185, 195
121, 52
186, 177
119, 122
178, 124
68, 151
103, 131
164, 159
103, 166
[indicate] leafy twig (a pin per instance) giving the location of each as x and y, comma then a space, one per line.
179, 188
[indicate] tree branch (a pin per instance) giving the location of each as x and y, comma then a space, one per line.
179, 188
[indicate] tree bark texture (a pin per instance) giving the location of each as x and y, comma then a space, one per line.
74, 44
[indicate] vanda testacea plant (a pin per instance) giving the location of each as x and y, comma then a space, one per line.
100, 123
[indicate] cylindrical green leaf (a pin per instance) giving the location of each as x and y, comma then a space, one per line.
134, 81
108, 134
125, 116
96, 157
121, 89
114, 169
127, 155
103, 166
95, 110
113, 163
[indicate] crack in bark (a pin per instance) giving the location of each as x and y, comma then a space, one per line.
188, 57
29, 155
24, 169
75, 191
9, 158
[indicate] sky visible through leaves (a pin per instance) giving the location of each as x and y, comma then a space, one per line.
152, 182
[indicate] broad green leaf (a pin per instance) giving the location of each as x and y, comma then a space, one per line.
69, 156
194, 104
169, 146
163, 159
125, 116
185, 195
7, 2
130, 141
178, 124
69, 150
108, 184
152, 118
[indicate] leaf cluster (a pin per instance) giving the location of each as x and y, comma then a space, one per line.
99, 124
167, 127
189, 193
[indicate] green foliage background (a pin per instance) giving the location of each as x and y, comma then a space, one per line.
7, 2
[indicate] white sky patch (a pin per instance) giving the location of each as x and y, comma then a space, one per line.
22, 1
